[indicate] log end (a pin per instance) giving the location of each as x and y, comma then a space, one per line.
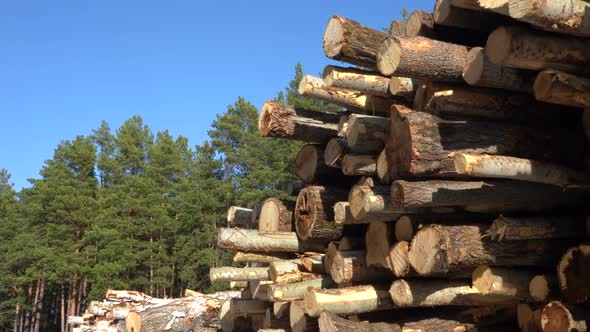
333, 37
388, 56
399, 147
539, 288
265, 118
498, 45
334, 152
341, 212
404, 229
304, 218
425, 257
521, 8
356, 200
483, 279
464, 163
329, 74
308, 83
572, 274
310, 303
442, 10
398, 259
401, 294
231, 214
306, 163
542, 85
556, 317
474, 65
133, 322
383, 168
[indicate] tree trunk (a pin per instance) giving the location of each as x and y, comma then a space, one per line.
398, 259
494, 196
333, 323
512, 168
397, 28
357, 80
556, 317
348, 41
550, 227
572, 274
480, 71
536, 50
422, 144
359, 165
252, 240
366, 134
354, 101
295, 291
562, 88
62, 311
421, 24
351, 267
509, 283
439, 250
261, 258
276, 215
314, 214
563, 16
284, 121
239, 216
311, 168
334, 152
372, 204
378, 239
39, 304
238, 274
347, 301
422, 58
446, 13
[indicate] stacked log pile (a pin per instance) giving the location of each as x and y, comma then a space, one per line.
450, 196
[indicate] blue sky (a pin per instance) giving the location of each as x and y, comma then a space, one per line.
67, 65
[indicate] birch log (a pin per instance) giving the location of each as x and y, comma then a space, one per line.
238, 274
252, 240
347, 301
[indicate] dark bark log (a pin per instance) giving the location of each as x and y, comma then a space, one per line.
334, 152
421, 24
378, 239
572, 274
445, 13
314, 214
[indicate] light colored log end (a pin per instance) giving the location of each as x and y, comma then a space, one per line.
333, 37
539, 288
401, 294
389, 55
556, 317
308, 83
306, 163
404, 229
424, 253
498, 45
474, 65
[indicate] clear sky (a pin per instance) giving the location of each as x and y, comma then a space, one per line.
67, 65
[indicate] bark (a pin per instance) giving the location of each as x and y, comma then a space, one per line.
398, 259
509, 283
563, 16
422, 144
334, 152
397, 28
276, 215
295, 291
494, 196
314, 214
126, 295
422, 58
239, 216
348, 41
530, 49
359, 165
299, 320
347, 301
550, 227
557, 317
480, 71
260, 258
512, 168
351, 267
378, 239
284, 121
366, 134
439, 250
447, 14
372, 204
259, 289
333, 323
356, 79
238, 274
311, 168
572, 274
562, 88
287, 272
252, 240
354, 101
383, 168
434, 293
421, 24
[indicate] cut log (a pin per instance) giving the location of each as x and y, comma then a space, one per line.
564, 16
404, 228
348, 41
350, 267
542, 287
366, 133
334, 152
276, 215
498, 6
357, 80
329, 322
572, 274
404, 87
372, 204
438, 250
299, 320
445, 13
314, 214
421, 24
313, 264
355, 101
232, 284
342, 214
238, 274
293, 187
259, 289
431, 293
509, 228
513, 284
343, 125
311, 168
272, 322
256, 213
397, 28
422, 144
556, 317
407, 225
126, 295
351, 243
504, 167
239, 216
347, 301
529, 49
378, 239
241, 307
562, 88
461, 101
422, 58
284, 121
419, 102
398, 259
260, 258
295, 291
480, 71
383, 168
284, 272
280, 309
359, 165
252, 240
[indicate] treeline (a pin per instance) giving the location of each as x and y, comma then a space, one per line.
131, 209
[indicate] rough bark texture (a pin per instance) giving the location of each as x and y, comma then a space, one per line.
333, 323
439, 250
356, 79
562, 88
564, 16
293, 187
239, 216
550, 227
421, 144
334, 152
422, 58
285, 272
295, 291
276, 215
349, 41
484, 197
314, 214
529, 49
404, 87
311, 168
445, 13
359, 165
572, 274
238, 274
366, 134
252, 240
284, 121
350, 266
421, 24
347, 301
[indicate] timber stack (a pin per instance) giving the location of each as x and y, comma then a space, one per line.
452, 195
